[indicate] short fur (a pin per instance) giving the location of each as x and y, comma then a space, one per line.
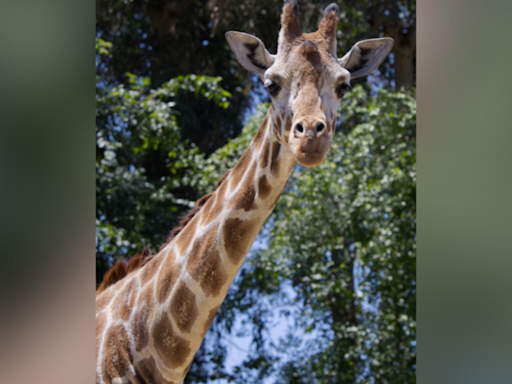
327, 27
122, 268
290, 25
171, 301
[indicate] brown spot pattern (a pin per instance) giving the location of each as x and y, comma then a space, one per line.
244, 198
241, 166
310, 50
274, 166
103, 300
258, 138
209, 319
172, 348
148, 271
277, 125
148, 371
218, 205
117, 359
205, 210
167, 277
278, 121
237, 238
184, 308
288, 124
264, 155
142, 318
264, 187
125, 299
205, 265
187, 235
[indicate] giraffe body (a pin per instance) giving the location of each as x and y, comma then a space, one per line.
193, 271
150, 324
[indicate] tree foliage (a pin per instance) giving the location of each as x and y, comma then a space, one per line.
163, 39
340, 259
143, 161
336, 260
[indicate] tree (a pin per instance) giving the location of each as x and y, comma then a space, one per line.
162, 39
143, 162
343, 238
165, 136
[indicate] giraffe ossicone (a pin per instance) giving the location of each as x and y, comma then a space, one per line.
151, 322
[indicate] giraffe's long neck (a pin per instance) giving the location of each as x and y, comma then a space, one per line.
178, 293
206, 256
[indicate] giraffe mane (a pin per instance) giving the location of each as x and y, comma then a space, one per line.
189, 216
123, 268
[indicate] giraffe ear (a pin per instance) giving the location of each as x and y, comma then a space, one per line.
365, 56
250, 52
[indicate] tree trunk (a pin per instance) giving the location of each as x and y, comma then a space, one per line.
388, 19
405, 53
344, 312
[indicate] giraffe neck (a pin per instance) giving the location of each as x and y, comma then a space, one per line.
171, 302
206, 256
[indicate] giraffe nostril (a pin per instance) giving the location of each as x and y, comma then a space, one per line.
299, 128
320, 127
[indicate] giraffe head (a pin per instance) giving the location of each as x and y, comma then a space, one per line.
306, 80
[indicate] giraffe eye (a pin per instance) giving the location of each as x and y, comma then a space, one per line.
272, 87
342, 89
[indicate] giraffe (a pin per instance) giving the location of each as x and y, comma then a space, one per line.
151, 322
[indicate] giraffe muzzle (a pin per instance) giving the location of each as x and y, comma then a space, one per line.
309, 142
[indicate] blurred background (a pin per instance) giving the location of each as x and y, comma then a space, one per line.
48, 144
328, 291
